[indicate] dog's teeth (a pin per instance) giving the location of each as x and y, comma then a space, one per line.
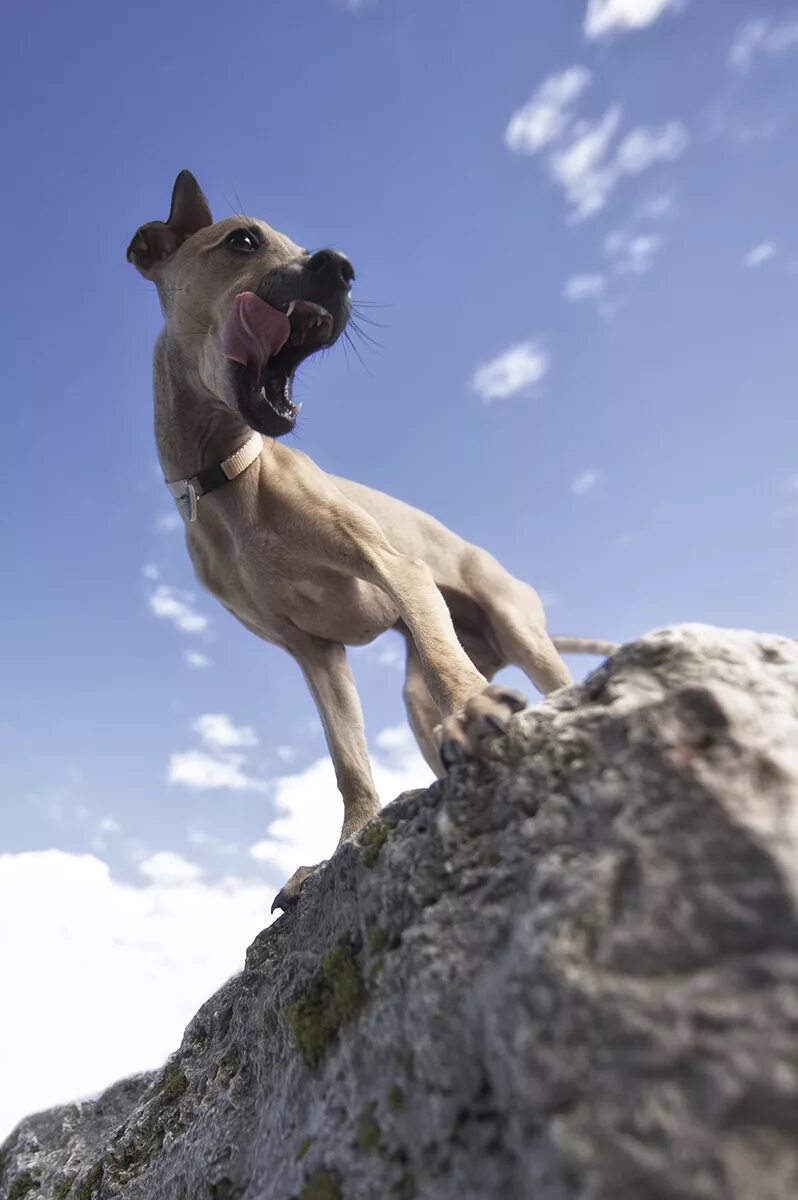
263, 393
290, 308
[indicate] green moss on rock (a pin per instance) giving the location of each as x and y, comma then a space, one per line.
174, 1085
396, 1098
373, 839
23, 1185
321, 1186
87, 1188
369, 1134
303, 1148
64, 1187
408, 1186
377, 939
336, 996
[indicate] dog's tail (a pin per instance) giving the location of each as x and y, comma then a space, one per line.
580, 645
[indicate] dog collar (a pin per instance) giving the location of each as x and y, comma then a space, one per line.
188, 491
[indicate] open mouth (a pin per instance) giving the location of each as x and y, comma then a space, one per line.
265, 345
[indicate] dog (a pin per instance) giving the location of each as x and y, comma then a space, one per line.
303, 559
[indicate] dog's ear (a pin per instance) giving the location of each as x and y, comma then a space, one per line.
154, 242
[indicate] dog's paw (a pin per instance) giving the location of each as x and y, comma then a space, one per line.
288, 896
468, 733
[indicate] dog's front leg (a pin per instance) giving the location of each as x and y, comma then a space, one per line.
473, 710
329, 677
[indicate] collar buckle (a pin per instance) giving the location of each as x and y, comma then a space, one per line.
187, 499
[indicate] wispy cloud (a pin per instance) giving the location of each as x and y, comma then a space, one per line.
630, 250
586, 482
206, 841
206, 772
386, 651
632, 253
758, 255
587, 158
582, 169
547, 113
219, 731
605, 17
150, 571
760, 37
196, 661
517, 369
170, 604
168, 522
585, 287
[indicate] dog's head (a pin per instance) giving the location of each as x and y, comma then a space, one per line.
245, 303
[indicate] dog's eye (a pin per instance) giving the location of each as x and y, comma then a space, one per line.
244, 239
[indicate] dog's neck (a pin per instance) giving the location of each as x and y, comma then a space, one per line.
192, 430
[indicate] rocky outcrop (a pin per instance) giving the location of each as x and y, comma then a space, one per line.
571, 973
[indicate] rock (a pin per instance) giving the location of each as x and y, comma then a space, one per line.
570, 974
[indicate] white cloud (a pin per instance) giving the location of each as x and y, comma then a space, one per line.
581, 169
390, 655
657, 208
150, 571
285, 753
218, 730
759, 254
168, 522
760, 37
589, 172
386, 651
604, 17
310, 810
643, 147
137, 959
632, 253
580, 156
178, 607
110, 825
584, 287
585, 482
168, 868
547, 113
195, 660
516, 369
201, 771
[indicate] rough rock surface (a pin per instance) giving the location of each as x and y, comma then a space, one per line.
571, 974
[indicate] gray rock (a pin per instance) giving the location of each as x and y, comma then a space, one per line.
571, 973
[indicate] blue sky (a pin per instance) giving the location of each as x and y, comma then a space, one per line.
576, 225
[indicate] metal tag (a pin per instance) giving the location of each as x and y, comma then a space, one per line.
188, 502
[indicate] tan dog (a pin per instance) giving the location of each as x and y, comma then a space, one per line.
308, 561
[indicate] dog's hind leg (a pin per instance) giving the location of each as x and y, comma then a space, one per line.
515, 623
329, 677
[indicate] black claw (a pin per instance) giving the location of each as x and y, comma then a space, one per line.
451, 754
496, 722
514, 701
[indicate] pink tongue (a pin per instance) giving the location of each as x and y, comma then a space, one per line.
254, 331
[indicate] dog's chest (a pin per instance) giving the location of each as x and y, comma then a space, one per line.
265, 587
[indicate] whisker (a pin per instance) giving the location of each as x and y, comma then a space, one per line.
366, 338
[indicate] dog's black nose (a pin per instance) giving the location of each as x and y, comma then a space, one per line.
334, 266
